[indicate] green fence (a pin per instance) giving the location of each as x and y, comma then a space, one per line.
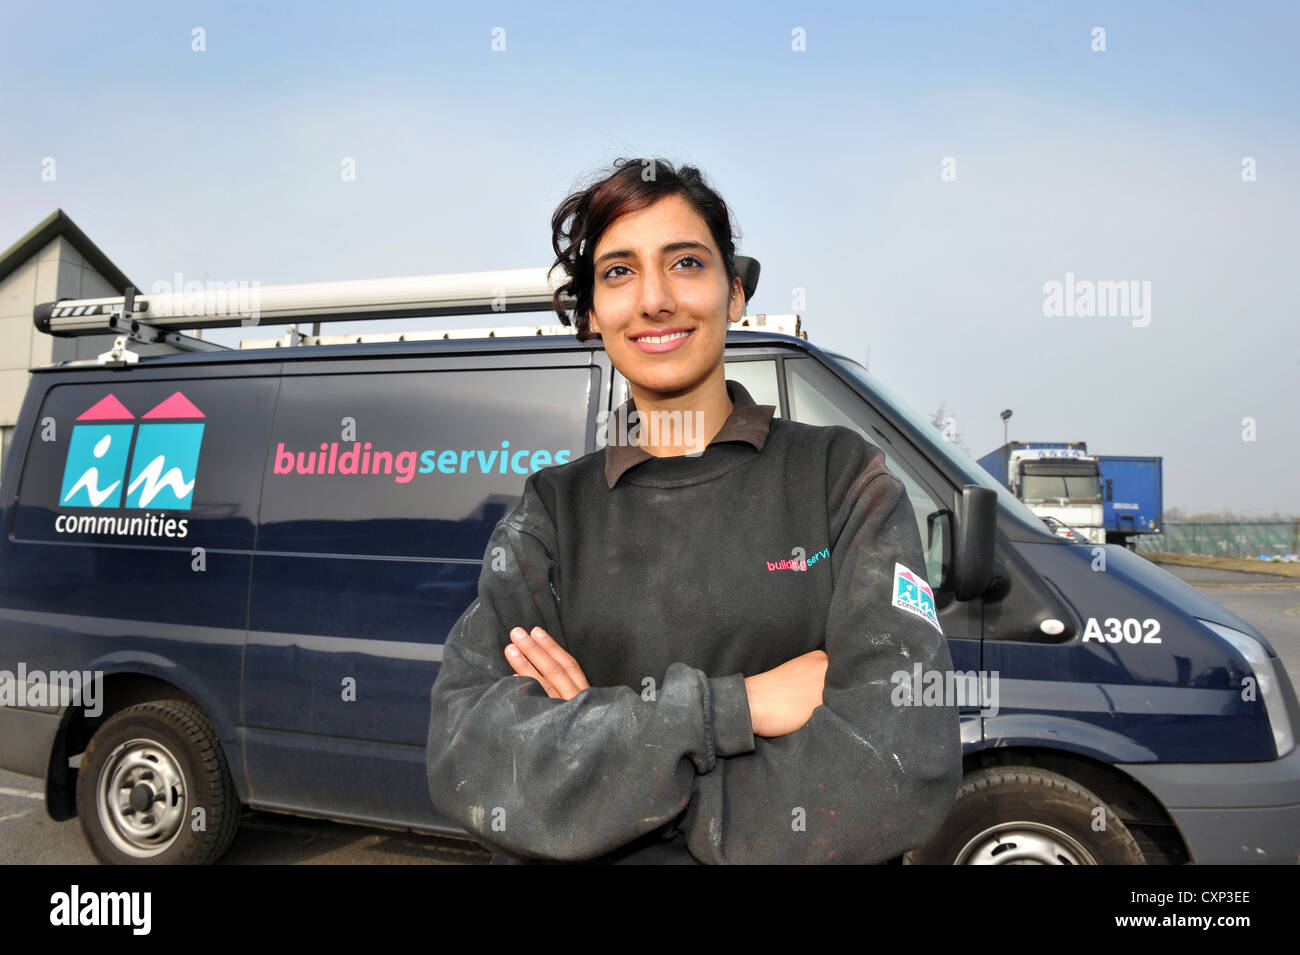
1225, 539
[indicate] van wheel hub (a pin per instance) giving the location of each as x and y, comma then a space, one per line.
1023, 843
142, 798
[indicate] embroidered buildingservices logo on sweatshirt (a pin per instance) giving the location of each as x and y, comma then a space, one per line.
798, 560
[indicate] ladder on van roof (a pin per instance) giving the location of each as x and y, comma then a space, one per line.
781, 324
160, 317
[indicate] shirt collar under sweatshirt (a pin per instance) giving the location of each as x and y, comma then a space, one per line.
748, 422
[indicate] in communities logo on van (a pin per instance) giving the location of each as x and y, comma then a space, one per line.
107, 470
913, 594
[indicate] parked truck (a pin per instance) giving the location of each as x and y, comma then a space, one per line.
1108, 498
1133, 496
1058, 480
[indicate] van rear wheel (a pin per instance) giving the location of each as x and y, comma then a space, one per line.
1021, 815
153, 788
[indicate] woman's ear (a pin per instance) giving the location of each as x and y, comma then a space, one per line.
592, 325
736, 307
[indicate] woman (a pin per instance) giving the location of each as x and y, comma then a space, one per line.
682, 646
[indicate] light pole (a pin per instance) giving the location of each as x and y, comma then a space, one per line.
1006, 415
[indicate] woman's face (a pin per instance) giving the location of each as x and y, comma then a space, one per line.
658, 275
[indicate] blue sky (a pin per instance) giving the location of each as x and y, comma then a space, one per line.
1115, 165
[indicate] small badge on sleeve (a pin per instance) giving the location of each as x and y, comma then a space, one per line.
914, 595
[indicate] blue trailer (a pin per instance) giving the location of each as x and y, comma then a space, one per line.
1133, 496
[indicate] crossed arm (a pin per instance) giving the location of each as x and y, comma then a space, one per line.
781, 700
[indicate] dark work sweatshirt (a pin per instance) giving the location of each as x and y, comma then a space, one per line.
670, 580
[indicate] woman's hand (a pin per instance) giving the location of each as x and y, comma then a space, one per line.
782, 699
538, 655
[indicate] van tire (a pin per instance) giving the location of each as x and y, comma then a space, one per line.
1021, 815
171, 752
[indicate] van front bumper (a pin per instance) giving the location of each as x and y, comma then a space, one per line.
1230, 813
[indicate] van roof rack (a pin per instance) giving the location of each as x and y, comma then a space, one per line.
293, 337
159, 317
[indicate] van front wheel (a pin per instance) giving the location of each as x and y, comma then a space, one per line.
1020, 815
153, 788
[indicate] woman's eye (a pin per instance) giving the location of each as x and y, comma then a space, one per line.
610, 272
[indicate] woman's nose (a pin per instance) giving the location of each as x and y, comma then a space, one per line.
656, 294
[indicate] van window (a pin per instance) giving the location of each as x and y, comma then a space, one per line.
817, 398
1009, 506
147, 463
758, 377
413, 464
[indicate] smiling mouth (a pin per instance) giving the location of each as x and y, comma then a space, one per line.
662, 339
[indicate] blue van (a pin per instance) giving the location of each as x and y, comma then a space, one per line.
250, 559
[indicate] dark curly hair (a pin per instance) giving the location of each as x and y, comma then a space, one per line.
581, 219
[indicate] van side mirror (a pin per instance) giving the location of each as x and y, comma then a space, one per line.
977, 521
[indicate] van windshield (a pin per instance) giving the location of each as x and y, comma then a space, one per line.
962, 462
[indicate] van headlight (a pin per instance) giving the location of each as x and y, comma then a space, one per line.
1266, 678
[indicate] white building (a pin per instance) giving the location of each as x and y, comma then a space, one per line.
53, 261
